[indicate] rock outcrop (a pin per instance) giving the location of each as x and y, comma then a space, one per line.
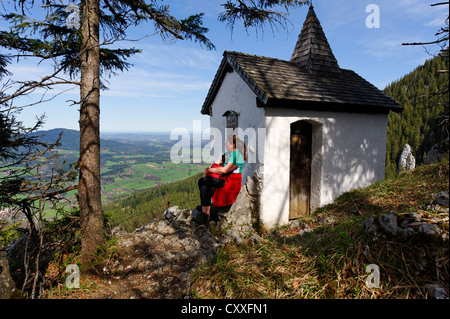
7, 286
170, 248
407, 162
406, 226
437, 152
245, 210
415, 223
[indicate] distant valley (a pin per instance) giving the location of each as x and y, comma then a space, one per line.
129, 162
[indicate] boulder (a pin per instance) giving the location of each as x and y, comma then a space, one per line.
430, 230
407, 162
238, 234
245, 209
370, 227
411, 225
7, 285
388, 223
436, 292
445, 237
175, 213
437, 152
406, 231
440, 202
442, 199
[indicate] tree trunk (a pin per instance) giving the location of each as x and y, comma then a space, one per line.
89, 195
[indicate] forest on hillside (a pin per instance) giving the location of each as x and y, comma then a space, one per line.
141, 207
424, 121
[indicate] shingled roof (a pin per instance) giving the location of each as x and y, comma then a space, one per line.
311, 80
312, 51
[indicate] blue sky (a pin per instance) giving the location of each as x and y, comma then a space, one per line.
168, 83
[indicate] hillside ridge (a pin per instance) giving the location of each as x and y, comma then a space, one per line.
71, 141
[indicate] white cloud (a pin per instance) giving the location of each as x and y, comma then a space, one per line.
139, 82
422, 10
173, 55
26, 70
436, 22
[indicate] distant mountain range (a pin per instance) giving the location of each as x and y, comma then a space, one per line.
71, 141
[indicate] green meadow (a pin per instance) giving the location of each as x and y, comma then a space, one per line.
133, 175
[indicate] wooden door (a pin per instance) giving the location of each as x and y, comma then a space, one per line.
300, 169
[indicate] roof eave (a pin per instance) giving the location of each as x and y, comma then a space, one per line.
229, 62
260, 94
331, 106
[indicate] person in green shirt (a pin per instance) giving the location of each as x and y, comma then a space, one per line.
236, 158
229, 167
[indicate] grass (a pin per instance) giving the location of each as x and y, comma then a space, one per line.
331, 261
135, 182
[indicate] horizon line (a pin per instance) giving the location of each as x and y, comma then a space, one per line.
112, 132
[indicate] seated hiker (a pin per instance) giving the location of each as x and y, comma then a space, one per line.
222, 180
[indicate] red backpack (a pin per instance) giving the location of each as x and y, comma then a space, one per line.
214, 175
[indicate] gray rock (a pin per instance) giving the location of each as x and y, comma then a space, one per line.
405, 224
255, 239
239, 212
366, 250
238, 240
253, 187
206, 241
416, 216
437, 152
297, 223
388, 223
436, 292
304, 231
407, 161
7, 285
118, 231
430, 230
370, 227
406, 232
442, 198
237, 234
173, 213
432, 206
325, 219
245, 209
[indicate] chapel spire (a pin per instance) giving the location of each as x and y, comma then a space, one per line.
312, 51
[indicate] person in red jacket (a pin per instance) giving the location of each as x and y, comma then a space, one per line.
222, 180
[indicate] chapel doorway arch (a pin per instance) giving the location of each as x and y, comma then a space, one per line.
300, 169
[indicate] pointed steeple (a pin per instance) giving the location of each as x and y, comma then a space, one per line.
312, 51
